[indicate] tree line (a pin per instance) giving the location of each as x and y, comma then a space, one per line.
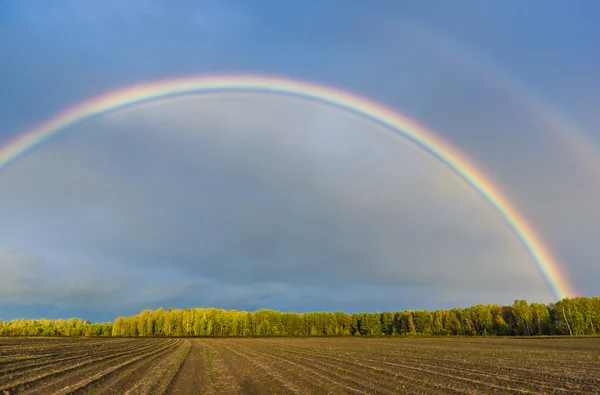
74, 327
573, 316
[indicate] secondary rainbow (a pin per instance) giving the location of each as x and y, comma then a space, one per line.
401, 124
567, 133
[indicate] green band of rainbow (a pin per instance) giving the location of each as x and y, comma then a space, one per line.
404, 126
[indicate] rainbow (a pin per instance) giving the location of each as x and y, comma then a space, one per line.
404, 126
567, 133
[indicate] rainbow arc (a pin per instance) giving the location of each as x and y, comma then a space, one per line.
402, 125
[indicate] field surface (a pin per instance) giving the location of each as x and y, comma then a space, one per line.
299, 366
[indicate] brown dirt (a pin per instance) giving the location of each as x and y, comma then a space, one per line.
194, 376
300, 366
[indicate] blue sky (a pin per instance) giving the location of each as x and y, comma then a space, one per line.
250, 201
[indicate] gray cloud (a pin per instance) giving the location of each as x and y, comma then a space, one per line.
287, 204
29, 279
253, 199
544, 161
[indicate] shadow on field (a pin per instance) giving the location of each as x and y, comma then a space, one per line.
249, 386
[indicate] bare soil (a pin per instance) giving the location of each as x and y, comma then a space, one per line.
299, 366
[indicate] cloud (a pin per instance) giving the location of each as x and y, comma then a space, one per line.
252, 196
541, 159
253, 199
30, 279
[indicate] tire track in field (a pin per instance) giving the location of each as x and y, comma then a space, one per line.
272, 369
507, 377
379, 376
457, 374
60, 355
162, 374
17, 353
456, 377
65, 382
532, 370
503, 353
28, 371
223, 379
193, 376
120, 378
45, 345
291, 365
71, 381
33, 364
256, 378
310, 370
504, 366
61, 371
356, 375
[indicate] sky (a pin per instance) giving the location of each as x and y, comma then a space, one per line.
248, 201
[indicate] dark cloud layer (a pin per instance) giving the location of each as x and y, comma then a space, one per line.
264, 196
248, 202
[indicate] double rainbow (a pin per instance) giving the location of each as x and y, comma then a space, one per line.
404, 126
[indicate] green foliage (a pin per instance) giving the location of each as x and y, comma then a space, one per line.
44, 327
576, 316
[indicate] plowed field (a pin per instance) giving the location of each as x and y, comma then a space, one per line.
299, 366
